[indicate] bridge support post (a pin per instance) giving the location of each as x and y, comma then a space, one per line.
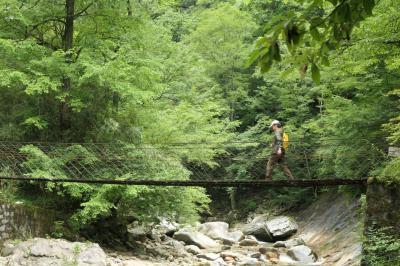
382, 212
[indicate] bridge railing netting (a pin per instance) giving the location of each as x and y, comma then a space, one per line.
181, 161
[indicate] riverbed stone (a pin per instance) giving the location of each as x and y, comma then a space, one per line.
195, 238
214, 230
302, 254
230, 254
281, 227
249, 262
166, 227
208, 256
40, 251
259, 230
235, 236
289, 243
248, 242
192, 249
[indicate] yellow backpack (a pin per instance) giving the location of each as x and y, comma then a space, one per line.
285, 141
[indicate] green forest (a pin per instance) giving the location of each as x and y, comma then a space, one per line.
186, 90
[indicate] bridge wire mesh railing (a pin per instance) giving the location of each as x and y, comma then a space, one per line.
163, 161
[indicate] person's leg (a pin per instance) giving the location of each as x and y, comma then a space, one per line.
285, 168
287, 171
270, 166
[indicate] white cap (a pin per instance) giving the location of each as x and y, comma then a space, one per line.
274, 122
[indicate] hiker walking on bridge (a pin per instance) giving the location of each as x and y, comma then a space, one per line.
278, 152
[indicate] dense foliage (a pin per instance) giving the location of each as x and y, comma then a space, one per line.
146, 75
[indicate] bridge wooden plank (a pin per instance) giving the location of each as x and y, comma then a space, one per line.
202, 183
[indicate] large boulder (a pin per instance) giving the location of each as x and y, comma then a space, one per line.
43, 252
289, 243
302, 254
166, 227
281, 227
214, 230
195, 238
138, 232
259, 230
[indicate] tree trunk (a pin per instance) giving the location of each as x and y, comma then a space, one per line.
232, 196
129, 7
68, 38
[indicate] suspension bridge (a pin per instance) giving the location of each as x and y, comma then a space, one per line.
233, 164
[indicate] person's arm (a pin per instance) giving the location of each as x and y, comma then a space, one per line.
278, 142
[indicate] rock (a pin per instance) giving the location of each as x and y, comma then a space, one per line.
251, 237
264, 250
302, 254
256, 255
271, 255
7, 249
229, 254
228, 242
232, 237
177, 245
208, 256
281, 227
229, 259
225, 247
137, 232
274, 260
195, 238
284, 258
259, 230
289, 243
165, 227
93, 255
214, 230
192, 249
248, 242
248, 262
40, 251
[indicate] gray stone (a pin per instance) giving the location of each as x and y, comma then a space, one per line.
231, 254
235, 235
281, 227
289, 243
248, 262
248, 242
40, 251
228, 242
195, 238
165, 227
93, 255
302, 254
137, 231
208, 256
259, 230
214, 230
192, 249
265, 250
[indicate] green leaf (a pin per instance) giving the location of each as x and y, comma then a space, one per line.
368, 6
265, 65
342, 13
325, 60
275, 52
333, 2
316, 76
316, 21
252, 58
315, 34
